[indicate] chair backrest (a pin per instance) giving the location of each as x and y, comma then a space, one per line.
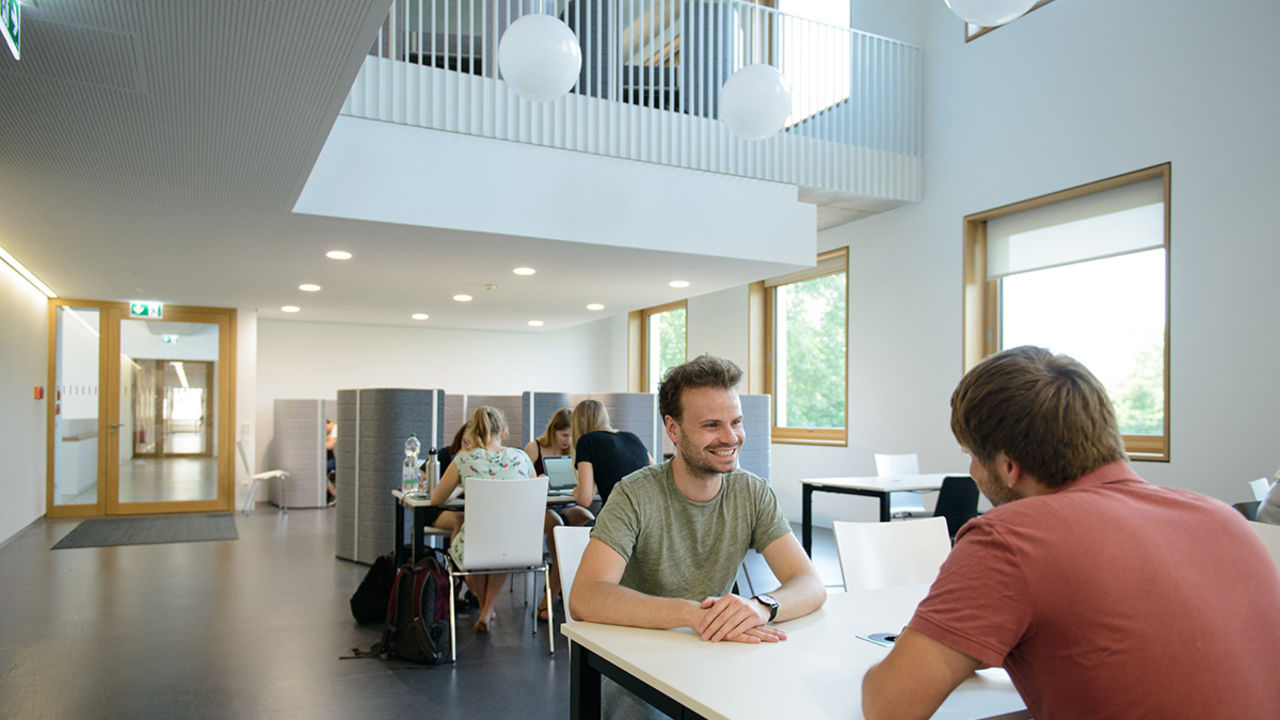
879, 555
957, 502
570, 544
1270, 535
1260, 488
1249, 509
895, 465
244, 459
504, 521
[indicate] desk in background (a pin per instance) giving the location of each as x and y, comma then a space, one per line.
876, 487
815, 673
420, 506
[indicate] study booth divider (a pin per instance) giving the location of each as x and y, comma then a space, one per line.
297, 447
373, 424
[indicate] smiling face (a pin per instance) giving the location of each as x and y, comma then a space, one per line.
709, 434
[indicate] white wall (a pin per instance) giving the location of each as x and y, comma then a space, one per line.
1074, 92
315, 360
24, 337
246, 397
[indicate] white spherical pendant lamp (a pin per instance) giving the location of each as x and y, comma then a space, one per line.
539, 57
755, 102
990, 13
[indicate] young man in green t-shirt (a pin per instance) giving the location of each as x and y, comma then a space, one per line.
667, 545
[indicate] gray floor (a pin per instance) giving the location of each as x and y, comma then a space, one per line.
250, 628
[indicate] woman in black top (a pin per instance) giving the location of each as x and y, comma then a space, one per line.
602, 456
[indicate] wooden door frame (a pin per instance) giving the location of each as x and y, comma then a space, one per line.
110, 315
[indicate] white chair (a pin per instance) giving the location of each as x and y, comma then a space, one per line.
571, 542
251, 501
878, 555
1260, 488
901, 504
504, 532
1270, 535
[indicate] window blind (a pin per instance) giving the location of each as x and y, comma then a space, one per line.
1119, 221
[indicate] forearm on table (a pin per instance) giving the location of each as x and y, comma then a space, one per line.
607, 602
799, 596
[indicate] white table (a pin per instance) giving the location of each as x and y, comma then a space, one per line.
420, 505
873, 486
816, 673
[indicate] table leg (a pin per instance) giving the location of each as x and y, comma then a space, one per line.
397, 550
584, 685
419, 525
806, 519
884, 507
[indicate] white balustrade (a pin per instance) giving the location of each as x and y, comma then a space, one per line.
650, 84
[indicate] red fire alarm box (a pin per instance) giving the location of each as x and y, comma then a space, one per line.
39, 394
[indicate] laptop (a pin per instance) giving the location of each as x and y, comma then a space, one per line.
560, 478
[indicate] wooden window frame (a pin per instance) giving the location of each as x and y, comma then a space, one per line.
801, 435
638, 334
981, 297
970, 35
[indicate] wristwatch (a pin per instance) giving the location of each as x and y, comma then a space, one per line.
769, 602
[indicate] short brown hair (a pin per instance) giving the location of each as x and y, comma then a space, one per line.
1046, 412
702, 371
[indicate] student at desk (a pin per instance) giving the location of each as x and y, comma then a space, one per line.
667, 546
1102, 595
487, 459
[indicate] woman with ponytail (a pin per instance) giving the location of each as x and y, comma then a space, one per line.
487, 458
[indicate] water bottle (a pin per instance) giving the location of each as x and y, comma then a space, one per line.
433, 470
409, 478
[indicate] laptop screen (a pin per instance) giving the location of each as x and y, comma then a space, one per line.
559, 473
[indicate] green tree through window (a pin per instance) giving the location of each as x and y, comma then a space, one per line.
671, 334
810, 326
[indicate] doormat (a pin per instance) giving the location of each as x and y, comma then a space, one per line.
107, 532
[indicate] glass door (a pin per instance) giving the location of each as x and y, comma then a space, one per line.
159, 440
172, 406
75, 436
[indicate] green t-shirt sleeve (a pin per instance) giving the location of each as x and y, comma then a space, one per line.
770, 523
618, 524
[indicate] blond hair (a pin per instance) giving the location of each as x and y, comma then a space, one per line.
486, 423
588, 416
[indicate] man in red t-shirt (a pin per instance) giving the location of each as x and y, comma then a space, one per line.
1102, 595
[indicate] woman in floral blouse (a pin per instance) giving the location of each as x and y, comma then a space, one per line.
487, 458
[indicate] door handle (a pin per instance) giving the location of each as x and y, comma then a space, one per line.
113, 427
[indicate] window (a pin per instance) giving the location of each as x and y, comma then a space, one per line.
1082, 272
664, 337
806, 315
972, 31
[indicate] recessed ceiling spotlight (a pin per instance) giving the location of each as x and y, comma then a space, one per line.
290, 308
523, 271
462, 298
419, 316
595, 306
535, 323
338, 255
309, 287
679, 283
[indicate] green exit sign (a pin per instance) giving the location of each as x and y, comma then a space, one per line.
142, 309
169, 339
11, 25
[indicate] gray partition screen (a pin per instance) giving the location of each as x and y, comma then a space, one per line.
372, 427
509, 406
536, 409
297, 447
755, 456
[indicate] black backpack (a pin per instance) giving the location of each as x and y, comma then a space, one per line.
417, 627
369, 603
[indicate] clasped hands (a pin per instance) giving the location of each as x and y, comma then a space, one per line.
735, 618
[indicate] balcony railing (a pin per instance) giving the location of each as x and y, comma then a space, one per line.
650, 85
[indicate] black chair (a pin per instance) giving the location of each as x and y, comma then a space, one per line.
957, 502
1248, 509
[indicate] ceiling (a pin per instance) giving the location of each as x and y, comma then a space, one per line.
154, 150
